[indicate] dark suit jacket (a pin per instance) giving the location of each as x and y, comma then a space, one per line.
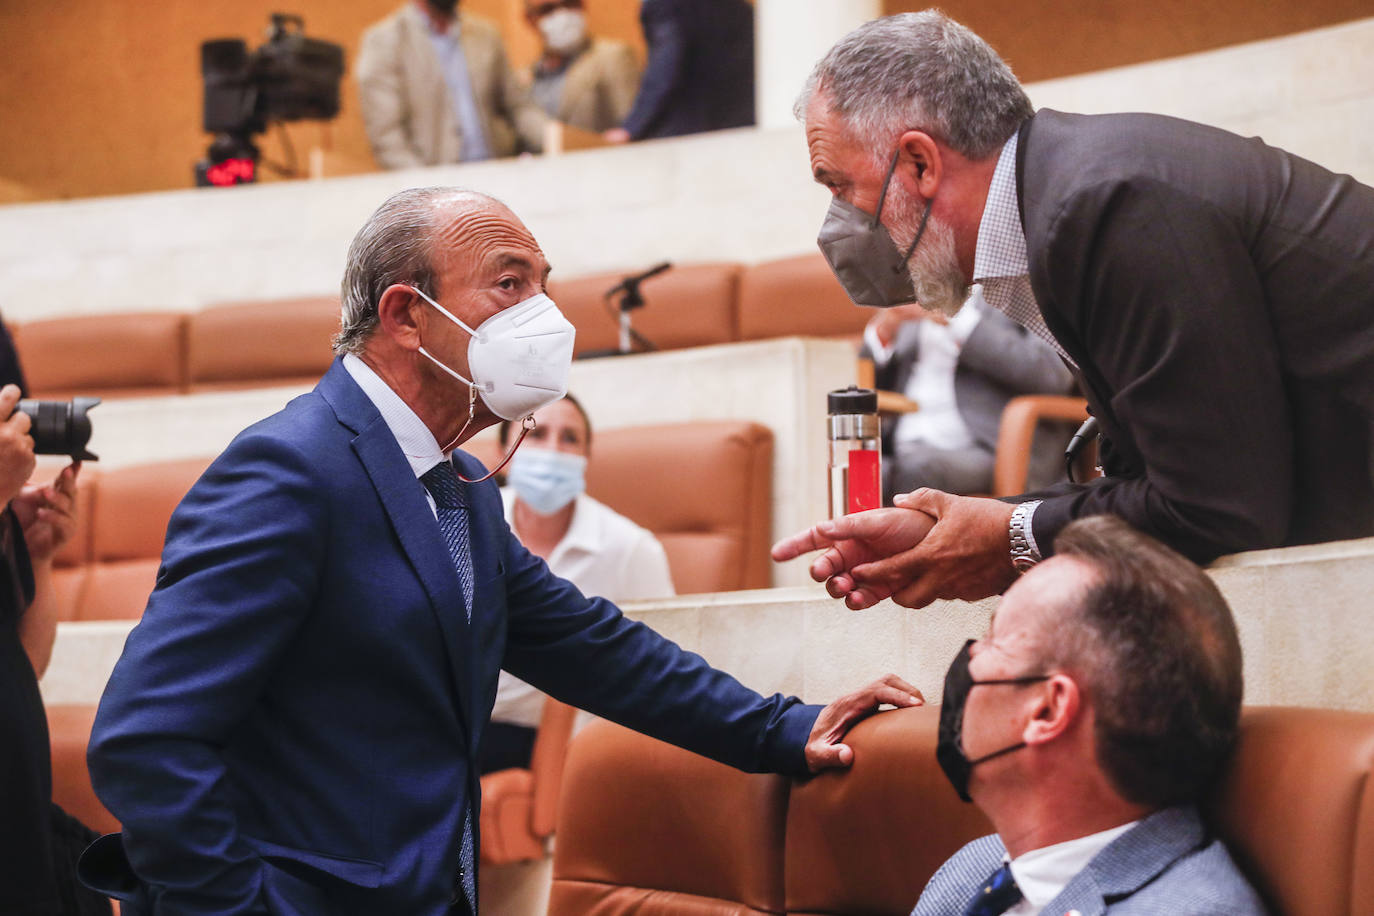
999, 361
1165, 864
1218, 296
700, 72
293, 726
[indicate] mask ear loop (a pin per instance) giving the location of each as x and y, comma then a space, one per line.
882, 199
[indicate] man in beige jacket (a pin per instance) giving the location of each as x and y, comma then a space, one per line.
436, 87
581, 80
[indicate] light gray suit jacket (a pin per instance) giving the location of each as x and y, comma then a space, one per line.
405, 102
999, 361
1167, 865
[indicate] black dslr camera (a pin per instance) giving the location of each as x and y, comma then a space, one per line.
60, 427
289, 78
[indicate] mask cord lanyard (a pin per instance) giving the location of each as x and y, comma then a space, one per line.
526, 425
882, 199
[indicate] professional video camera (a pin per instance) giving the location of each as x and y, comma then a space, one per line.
60, 427
289, 78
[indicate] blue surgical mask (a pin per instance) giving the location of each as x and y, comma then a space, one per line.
546, 480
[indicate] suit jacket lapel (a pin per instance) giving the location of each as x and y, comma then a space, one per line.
402, 496
1131, 861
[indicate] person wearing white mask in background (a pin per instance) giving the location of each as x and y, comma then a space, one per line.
582, 539
294, 724
579, 79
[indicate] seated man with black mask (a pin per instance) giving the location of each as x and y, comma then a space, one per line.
1108, 691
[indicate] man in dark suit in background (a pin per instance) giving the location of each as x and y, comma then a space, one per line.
1215, 294
700, 72
294, 725
1087, 724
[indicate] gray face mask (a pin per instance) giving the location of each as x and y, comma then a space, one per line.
862, 254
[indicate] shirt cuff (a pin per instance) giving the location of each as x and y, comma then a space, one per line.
876, 350
1028, 529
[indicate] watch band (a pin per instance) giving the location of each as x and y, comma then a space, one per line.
1024, 554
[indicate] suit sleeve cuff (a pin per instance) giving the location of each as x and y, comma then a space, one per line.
788, 752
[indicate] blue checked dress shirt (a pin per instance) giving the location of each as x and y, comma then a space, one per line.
453, 63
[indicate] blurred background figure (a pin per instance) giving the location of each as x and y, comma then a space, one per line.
599, 550
40, 842
700, 73
961, 371
436, 87
579, 79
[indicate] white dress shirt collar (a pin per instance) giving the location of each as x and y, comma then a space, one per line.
417, 442
1042, 874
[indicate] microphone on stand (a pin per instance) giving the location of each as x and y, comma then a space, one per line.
630, 286
630, 299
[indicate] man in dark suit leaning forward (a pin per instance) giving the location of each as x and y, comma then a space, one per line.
1215, 296
1102, 702
293, 726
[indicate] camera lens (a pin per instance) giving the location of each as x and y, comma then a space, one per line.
60, 427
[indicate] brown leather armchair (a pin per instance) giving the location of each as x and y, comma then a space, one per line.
649, 829
520, 807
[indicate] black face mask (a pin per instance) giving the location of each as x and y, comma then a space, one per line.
949, 750
445, 7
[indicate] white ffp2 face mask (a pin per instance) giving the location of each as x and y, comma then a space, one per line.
563, 30
519, 357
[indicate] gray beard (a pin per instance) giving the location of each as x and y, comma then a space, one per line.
934, 265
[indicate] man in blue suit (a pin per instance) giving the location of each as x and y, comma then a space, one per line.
293, 727
1108, 692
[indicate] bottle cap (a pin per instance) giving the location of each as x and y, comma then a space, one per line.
852, 400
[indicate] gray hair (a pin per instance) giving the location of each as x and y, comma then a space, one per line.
923, 71
393, 246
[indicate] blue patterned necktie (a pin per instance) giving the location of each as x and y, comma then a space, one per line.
442, 483
998, 894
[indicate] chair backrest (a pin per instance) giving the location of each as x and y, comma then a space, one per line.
1296, 809
128, 354
129, 512
649, 829
690, 305
252, 344
705, 489
796, 297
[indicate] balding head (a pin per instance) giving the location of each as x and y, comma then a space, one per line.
404, 241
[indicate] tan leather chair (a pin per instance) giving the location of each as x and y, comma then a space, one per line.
1020, 419
691, 305
128, 517
704, 488
648, 829
259, 344
69, 731
797, 297
520, 806
660, 477
1295, 807
71, 564
110, 355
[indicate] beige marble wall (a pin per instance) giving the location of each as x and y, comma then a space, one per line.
741, 195
1303, 615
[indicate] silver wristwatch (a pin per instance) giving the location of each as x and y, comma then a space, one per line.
1023, 552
